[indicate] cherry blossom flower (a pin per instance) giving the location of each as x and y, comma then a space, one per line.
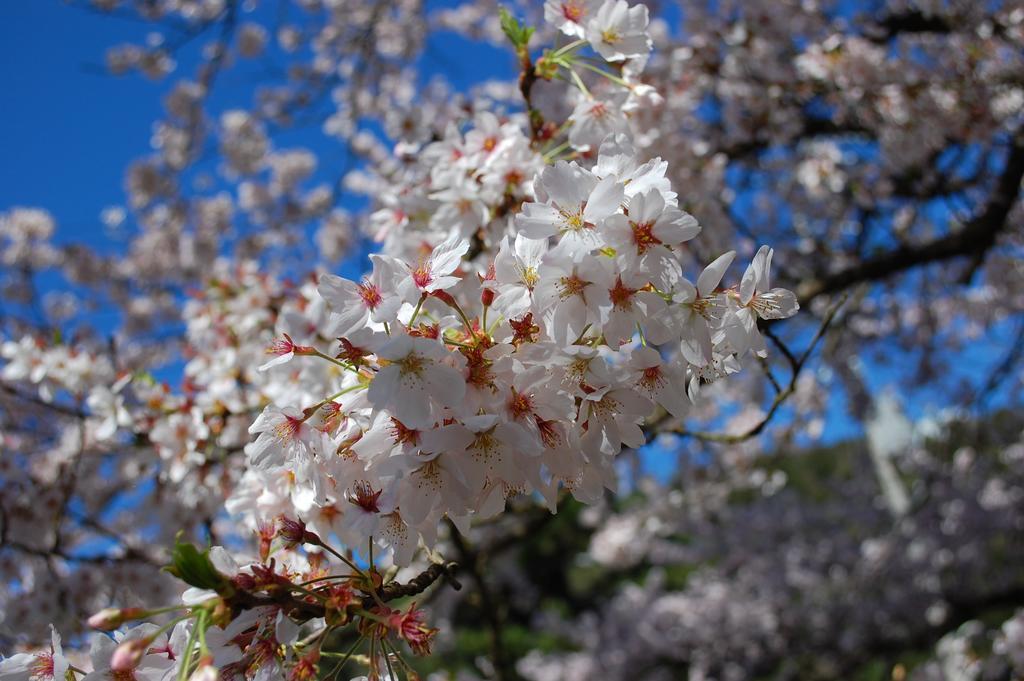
595, 118
577, 204
372, 299
642, 240
40, 666
433, 272
618, 31
517, 273
416, 382
569, 16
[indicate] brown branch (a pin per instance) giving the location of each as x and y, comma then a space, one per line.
909, 22
976, 238
130, 555
473, 560
39, 402
527, 79
299, 608
422, 582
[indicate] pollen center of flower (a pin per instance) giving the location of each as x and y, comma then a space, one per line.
421, 275
606, 407
651, 377
289, 428
573, 220
429, 475
621, 295
578, 369
643, 236
520, 404
702, 306
529, 276
572, 286
549, 433
370, 295
328, 513
764, 304
365, 497
412, 365
402, 434
485, 446
573, 11
42, 667
599, 110
610, 36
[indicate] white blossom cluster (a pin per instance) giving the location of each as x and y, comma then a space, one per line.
461, 379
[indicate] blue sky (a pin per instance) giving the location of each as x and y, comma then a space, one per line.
68, 129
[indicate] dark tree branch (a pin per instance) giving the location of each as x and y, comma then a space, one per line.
976, 238
473, 560
300, 608
908, 22
422, 582
664, 425
41, 403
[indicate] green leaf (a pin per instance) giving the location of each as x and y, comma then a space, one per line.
145, 377
516, 32
194, 567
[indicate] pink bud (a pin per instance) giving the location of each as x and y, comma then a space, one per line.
128, 655
294, 532
109, 619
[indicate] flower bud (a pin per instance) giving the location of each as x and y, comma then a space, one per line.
294, 532
445, 298
109, 619
127, 656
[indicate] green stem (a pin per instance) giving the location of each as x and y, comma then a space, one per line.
333, 360
582, 334
345, 658
579, 81
186, 660
416, 312
613, 78
387, 659
304, 590
565, 49
309, 411
201, 628
550, 155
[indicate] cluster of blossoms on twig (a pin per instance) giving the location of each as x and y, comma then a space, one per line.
527, 313
513, 335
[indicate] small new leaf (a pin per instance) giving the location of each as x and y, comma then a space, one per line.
194, 567
516, 32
